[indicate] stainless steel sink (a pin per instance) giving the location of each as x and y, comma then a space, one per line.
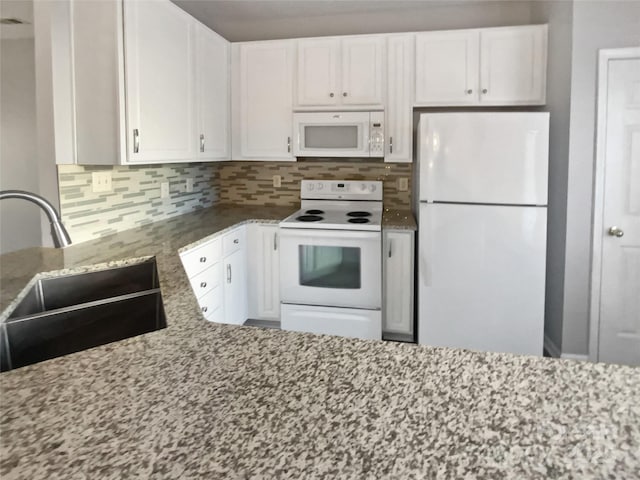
70, 313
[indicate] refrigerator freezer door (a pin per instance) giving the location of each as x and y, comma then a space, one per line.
491, 157
482, 277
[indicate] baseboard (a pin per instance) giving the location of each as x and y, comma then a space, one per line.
575, 356
551, 347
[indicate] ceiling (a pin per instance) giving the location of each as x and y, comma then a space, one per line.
242, 20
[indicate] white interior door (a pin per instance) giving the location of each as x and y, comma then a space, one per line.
619, 228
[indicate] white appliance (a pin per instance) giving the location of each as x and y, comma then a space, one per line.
338, 134
331, 260
483, 230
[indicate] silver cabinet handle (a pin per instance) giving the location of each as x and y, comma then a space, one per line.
203, 284
202, 142
275, 241
203, 259
204, 309
136, 140
344, 94
484, 90
288, 144
236, 241
390, 144
469, 92
389, 248
228, 273
615, 232
331, 94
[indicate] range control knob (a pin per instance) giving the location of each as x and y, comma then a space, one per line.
310, 186
320, 186
363, 187
372, 187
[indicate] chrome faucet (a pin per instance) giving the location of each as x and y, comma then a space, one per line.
58, 232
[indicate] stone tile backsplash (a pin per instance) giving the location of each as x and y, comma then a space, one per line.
135, 197
251, 183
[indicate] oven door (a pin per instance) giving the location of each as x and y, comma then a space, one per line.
331, 134
333, 268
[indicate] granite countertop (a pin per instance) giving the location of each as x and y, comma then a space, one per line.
204, 400
398, 219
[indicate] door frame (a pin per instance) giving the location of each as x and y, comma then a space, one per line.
604, 57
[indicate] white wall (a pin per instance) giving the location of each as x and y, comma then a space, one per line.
19, 220
601, 24
559, 16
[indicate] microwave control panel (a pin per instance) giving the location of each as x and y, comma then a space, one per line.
376, 134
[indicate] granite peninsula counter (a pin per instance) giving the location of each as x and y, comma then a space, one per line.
203, 400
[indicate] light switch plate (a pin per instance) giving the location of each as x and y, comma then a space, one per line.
101, 182
277, 181
403, 184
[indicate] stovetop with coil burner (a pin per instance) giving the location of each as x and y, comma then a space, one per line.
338, 205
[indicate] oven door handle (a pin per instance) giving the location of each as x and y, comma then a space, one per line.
338, 235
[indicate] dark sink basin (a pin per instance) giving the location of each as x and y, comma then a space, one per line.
70, 313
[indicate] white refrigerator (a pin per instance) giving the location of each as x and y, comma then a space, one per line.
482, 230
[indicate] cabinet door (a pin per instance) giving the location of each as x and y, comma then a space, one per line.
398, 284
513, 65
235, 289
264, 265
159, 78
317, 72
266, 100
212, 89
447, 67
362, 70
399, 113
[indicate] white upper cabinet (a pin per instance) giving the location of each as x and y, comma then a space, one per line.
317, 70
159, 77
263, 100
346, 72
447, 67
212, 94
513, 65
493, 66
399, 114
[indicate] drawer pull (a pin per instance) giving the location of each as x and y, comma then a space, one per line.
236, 241
204, 309
203, 284
203, 259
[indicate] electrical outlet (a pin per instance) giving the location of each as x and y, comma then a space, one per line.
164, 190
277, 181
403, 184
101, 182
189, 185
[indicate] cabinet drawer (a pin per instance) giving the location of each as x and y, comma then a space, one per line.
201, 258
206, 280
216, 316
211, 302
233, 241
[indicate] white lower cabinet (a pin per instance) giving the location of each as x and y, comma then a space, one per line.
235, 288
397, 289
263, 260
217, 274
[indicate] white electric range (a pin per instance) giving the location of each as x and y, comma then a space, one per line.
331, 261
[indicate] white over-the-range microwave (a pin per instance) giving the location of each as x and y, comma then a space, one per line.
338, 134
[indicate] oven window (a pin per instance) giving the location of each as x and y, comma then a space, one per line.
329, 267
331, 136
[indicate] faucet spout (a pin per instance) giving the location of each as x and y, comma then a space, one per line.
58, 232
